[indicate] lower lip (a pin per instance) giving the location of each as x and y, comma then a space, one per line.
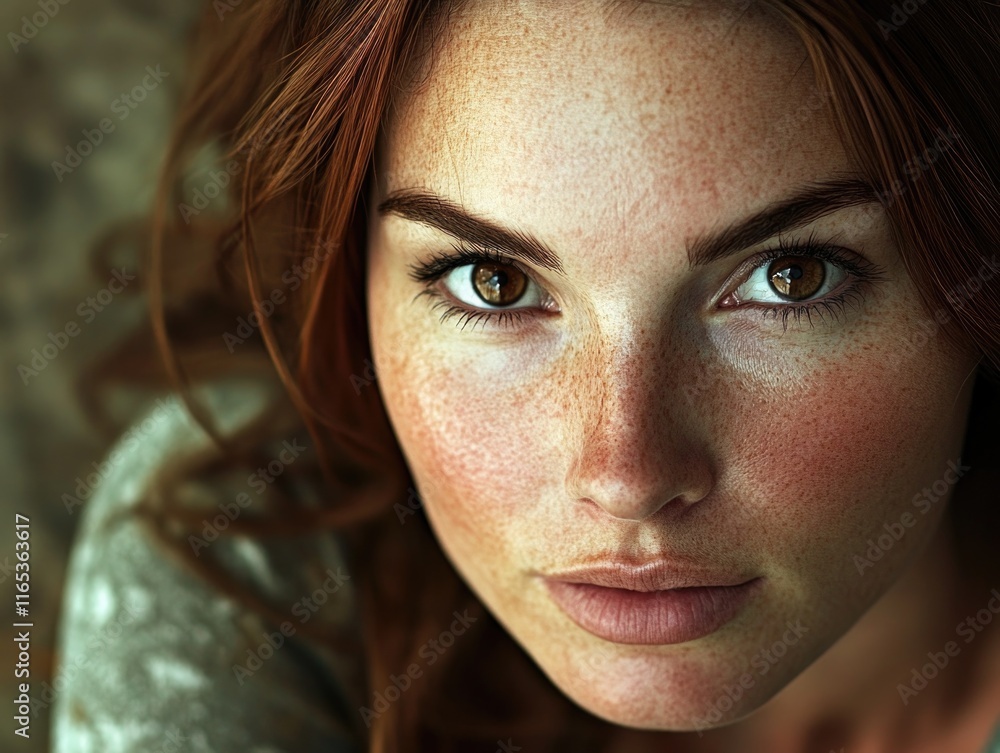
651, 617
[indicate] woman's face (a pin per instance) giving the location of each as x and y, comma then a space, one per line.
655, 393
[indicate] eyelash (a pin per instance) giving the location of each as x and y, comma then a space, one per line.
865, 273
441, 263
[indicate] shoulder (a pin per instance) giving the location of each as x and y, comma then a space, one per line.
154, 656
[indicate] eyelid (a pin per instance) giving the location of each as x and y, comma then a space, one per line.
440, 263
811, 246
864, 273
428, 274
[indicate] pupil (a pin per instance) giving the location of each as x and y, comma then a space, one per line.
790, 273
495, 285
796, 278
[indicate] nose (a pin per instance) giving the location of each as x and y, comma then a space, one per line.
638, 449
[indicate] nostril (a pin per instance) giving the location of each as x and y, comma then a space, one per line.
637, 510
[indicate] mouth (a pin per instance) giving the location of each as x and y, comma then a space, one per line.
652, 604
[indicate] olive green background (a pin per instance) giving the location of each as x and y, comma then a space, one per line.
65, 79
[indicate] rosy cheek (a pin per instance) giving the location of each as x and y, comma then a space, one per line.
480, 447
825, 462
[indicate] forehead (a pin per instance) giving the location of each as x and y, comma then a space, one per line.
570, 120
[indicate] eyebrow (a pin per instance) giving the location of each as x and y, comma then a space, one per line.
810, 203
430, 209
813, 201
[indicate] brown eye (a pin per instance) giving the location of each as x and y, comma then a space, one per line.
498, 284
796, 277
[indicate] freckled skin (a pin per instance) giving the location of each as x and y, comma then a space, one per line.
639, 419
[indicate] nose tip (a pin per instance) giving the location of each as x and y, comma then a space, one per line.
637, 489
622, 503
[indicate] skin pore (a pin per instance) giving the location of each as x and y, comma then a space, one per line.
649, 398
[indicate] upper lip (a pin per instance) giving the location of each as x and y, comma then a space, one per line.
654, 575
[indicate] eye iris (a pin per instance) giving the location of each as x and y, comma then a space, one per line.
498, 284
796, 277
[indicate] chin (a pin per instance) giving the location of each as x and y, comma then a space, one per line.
681, 694
659, 714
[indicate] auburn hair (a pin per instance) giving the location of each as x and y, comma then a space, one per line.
283, 102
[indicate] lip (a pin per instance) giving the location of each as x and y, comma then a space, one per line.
655, 603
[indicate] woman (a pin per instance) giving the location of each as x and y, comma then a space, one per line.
648, 358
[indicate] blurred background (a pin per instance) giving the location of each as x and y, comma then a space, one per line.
92, 87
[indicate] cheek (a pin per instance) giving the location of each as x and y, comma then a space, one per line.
478, 431
481, 441
826, 462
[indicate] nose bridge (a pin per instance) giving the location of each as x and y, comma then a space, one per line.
635, 453
623, 381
